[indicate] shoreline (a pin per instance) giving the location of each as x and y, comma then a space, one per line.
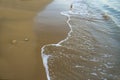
55, 29
46, 57
22, 38
53, 58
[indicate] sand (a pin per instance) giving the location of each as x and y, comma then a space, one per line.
19, 51
21, 40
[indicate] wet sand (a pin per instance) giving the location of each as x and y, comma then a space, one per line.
21, 41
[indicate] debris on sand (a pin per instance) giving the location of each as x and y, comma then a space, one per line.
106, 16
26, 39
14, 41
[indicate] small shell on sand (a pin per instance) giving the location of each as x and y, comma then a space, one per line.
26, 39
14, 41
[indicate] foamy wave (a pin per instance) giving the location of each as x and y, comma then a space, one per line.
88, 45
46, 57
45, 61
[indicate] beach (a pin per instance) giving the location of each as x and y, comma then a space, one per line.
48, 40
21, 40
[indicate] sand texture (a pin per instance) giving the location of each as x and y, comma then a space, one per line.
19, 57
21, 37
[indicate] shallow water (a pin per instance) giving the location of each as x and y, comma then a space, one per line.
91, 49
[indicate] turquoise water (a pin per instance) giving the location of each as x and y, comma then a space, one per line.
91, 51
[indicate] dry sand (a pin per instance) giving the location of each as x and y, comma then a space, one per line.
19, 50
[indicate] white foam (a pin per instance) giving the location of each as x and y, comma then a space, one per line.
94, 74
46, 57
55, 44
83, 58
94, 60
78, 66
102, 73
62, 13
104, 79
108, 66
107, 55
45, 61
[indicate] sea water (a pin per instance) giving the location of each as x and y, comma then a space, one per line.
91, 51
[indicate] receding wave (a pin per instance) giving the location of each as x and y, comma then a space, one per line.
89, 52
